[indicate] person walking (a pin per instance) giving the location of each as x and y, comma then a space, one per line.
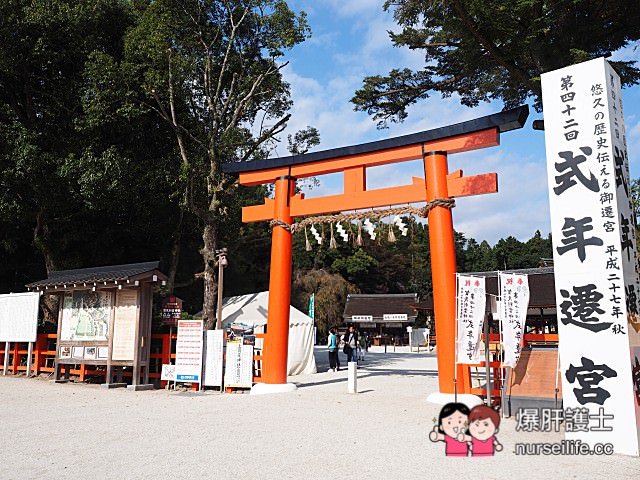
332, 346
351, 345
362, 347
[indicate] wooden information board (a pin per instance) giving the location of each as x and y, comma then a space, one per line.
535, 374
124, 327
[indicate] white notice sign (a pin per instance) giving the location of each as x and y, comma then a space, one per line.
394, 317
214, 356
189, 351
239, 366
19, 317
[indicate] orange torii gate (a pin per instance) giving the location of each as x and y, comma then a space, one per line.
433, 146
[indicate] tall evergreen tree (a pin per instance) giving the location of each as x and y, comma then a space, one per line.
483, 50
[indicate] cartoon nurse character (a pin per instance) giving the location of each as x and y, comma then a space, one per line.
483, 426
451, 424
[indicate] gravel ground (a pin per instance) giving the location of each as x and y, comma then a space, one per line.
82, 431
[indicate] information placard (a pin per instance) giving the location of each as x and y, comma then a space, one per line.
86, 316
124, 327
189, 351
239, 365
171, 311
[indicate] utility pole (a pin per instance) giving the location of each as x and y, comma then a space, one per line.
222, 263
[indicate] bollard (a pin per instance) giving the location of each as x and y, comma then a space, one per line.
352, 377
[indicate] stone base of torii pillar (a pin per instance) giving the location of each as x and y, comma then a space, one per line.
267, 388
444, 398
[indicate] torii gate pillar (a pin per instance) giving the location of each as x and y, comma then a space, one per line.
443, 271
277, 338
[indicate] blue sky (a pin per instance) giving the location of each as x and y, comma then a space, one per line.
350, 41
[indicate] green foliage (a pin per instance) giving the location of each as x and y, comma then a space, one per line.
330, 291
404, 266
485, 50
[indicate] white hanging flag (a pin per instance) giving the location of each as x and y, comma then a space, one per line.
470, 309
514, 293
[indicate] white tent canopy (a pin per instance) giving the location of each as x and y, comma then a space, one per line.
253, 307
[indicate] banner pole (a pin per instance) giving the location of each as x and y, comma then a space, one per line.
455, 336
557, 375
487, 357
499, 298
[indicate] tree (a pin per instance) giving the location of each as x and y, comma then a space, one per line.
330, 291
210, 69
44, 47
486, 50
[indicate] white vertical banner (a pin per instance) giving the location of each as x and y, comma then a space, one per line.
213, 358
470, 308
595, 259
514, 302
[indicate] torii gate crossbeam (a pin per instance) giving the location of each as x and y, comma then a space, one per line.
433, 146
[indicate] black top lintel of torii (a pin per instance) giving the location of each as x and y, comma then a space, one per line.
504, 121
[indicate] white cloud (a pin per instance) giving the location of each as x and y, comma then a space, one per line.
520, 207
356, 8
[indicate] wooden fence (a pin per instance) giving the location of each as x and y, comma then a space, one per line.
44, 354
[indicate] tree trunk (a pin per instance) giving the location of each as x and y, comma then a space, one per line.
40, 234
175, 253
49, 303
50, 307
210, 237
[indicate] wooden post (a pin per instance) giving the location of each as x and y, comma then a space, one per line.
56, 364
29, 353
277, 338
41, 346
146, 340
112, 321
166, 352
135, 375
6, 358
443, 268
16, 357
